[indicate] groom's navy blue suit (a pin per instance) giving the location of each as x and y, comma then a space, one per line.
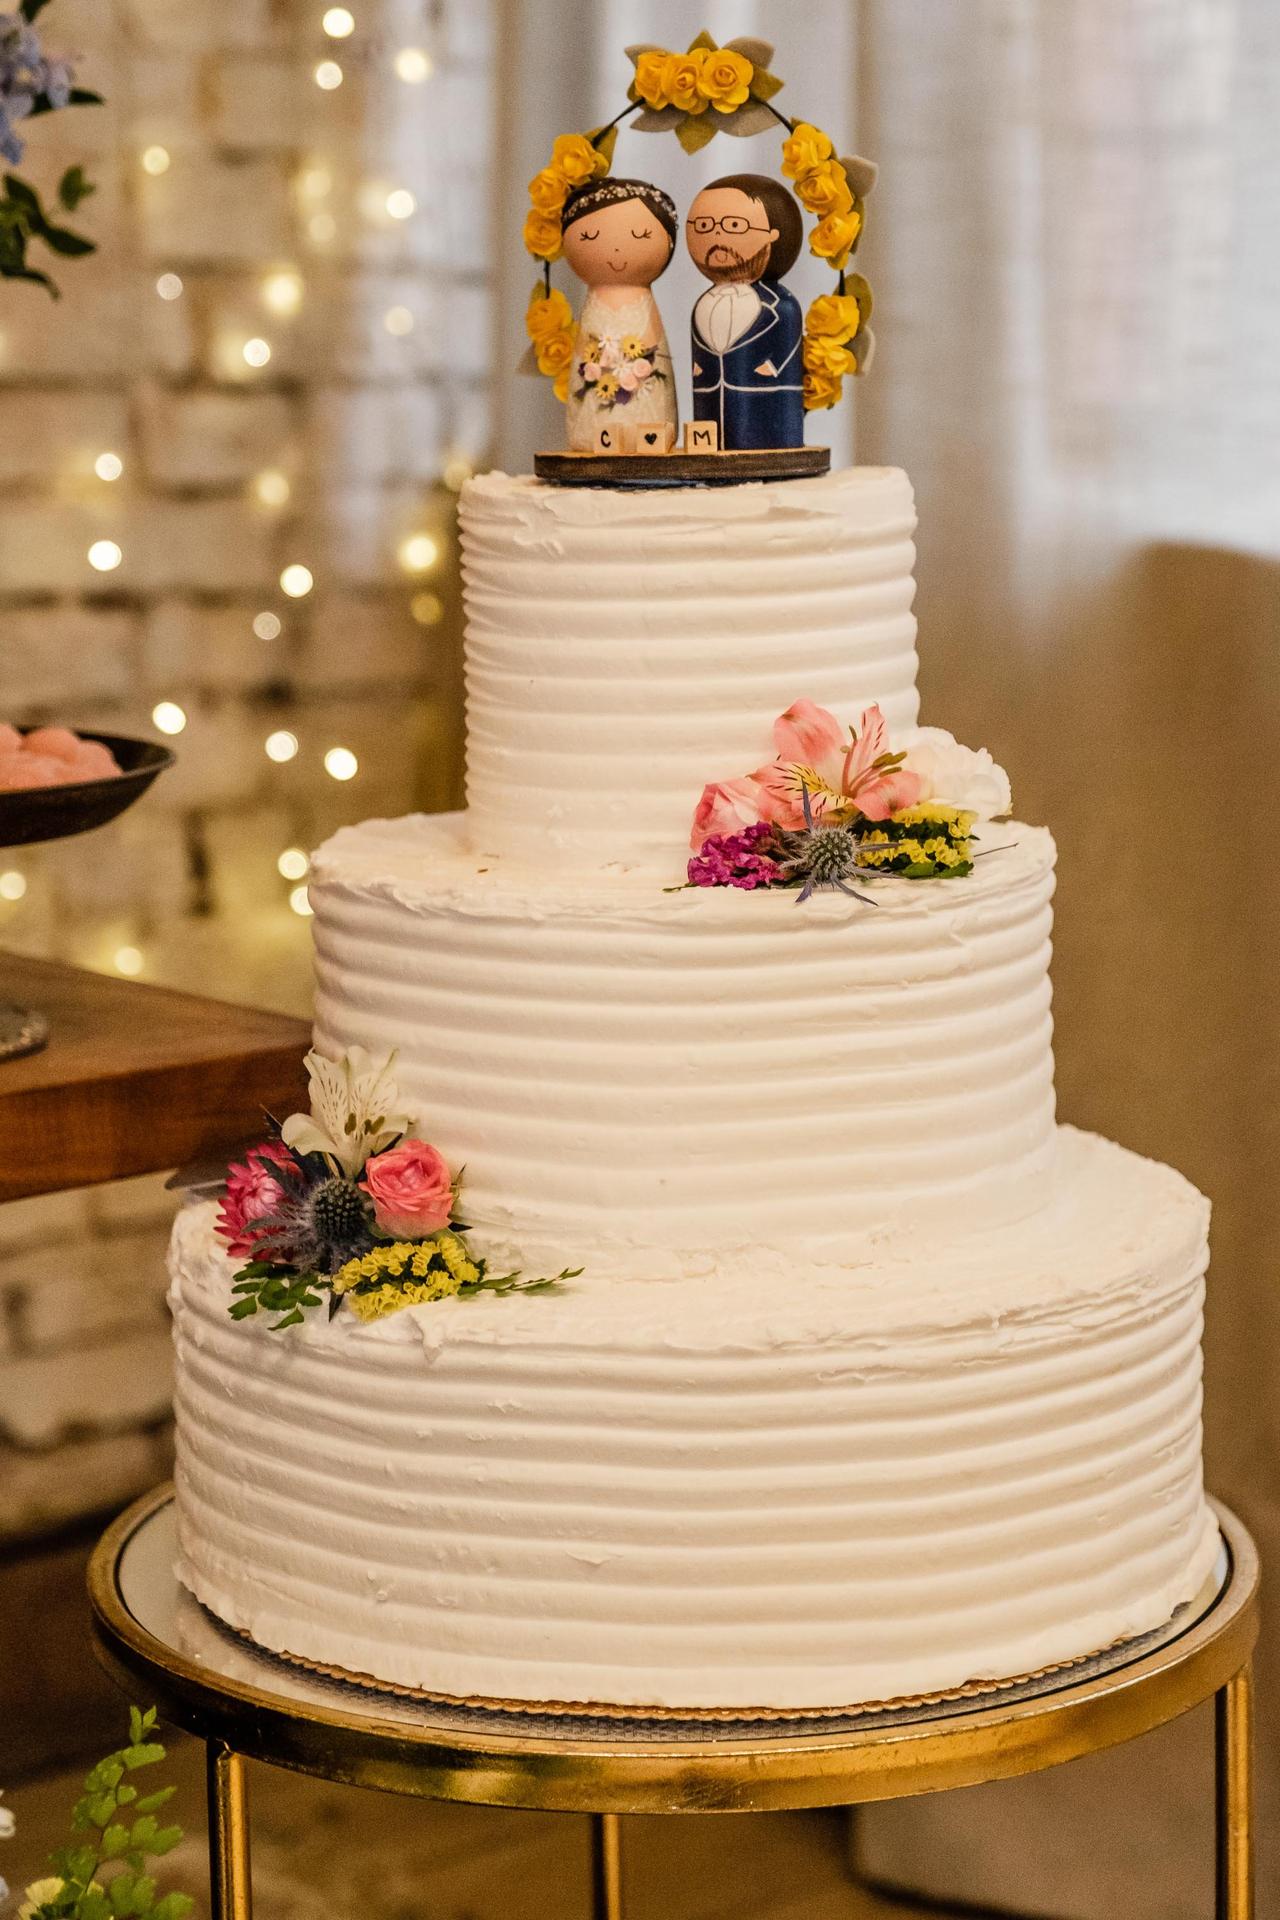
754, 407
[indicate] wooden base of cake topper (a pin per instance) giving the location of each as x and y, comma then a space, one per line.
681, 469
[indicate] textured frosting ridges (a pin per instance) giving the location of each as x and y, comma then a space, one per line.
791, 1496
668, 1077
625, 648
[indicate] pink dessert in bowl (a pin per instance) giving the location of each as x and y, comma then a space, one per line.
51, 757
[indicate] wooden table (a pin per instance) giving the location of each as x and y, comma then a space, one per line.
135, 1079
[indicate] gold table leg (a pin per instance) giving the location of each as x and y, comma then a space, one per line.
606, 1867
230, 1888
1233, 1725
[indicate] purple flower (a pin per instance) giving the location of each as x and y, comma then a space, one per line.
27, 74
736, 860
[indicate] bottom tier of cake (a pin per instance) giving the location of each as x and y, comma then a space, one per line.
850, 1486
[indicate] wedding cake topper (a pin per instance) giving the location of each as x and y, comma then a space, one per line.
758, 365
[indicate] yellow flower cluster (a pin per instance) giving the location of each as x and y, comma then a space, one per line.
408, 1272
938, 851
829, 327
549, 324
574, 161
704, 77
822, 185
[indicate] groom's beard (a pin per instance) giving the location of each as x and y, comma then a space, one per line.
724, 262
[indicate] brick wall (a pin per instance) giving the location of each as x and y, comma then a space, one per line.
269, 202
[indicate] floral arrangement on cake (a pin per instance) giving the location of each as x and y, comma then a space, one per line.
103, 1873
347, 1202
705, 90
34, 82
837, 806
615, 371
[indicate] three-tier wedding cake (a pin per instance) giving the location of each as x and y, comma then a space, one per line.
874, 1381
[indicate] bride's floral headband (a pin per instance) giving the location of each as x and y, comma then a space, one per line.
708, 90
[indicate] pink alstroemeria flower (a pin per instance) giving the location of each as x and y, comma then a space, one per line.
813, 755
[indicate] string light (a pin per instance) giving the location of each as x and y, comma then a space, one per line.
280, 746
155, 160
427, 609
328, 76
296, 581
256, 352
12, 884
315, 182
413, 66
401, 204
322, 227
299, 902
169, 286
268, 626
341, 764
293, 864
108, 466
398, 321
129, 960
168, 716
282, 292
105, 556
272, 487
418, 553
338, 23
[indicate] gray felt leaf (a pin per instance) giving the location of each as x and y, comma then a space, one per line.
750, 118
528, 362
657, 119
644, 46
758, 52
862, 173
866, 345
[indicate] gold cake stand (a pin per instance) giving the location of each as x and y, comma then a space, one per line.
246, 1703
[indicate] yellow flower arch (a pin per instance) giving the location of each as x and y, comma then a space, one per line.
685, 92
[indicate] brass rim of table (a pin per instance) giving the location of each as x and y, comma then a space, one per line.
726, 1773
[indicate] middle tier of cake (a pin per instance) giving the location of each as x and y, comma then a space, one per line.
687, 1081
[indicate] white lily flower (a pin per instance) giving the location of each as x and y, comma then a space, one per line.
38, 1894
354, 1110
7, 1823
965, 777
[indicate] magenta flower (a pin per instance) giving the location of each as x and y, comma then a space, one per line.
252, 1195
735, 860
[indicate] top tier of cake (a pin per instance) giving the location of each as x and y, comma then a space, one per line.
623, 648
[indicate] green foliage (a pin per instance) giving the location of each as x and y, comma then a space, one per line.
87, 1892
23, 219
502, 1283
266, 1287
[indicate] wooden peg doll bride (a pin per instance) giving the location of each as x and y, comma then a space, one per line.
619, 236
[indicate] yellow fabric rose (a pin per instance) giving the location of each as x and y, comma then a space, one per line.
561, 388
555, 353
825, 190
574, 157
548, 313
725, 79
806, 150
542, 234
834, 314
820, 389
547, 190
683, 73
651, 78
824, 354
832, 239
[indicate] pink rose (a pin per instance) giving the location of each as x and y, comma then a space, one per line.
591, 369
727, 806
411, 1189
628, 379
642, 369
252, 1194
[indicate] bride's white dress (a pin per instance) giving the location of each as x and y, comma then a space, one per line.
610, 382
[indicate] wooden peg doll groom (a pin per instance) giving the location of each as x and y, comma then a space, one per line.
743, 233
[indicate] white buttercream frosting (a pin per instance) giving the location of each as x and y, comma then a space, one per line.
844, 1487
663, 1076
623, 649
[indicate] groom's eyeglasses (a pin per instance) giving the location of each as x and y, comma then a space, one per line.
734, 223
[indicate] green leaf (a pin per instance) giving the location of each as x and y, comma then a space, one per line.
142, 1754
165, 1840
144, 1832
695, 131
102, 1810
764, 85
92, 1905
153, 1801
31, 9
174, 1906
120, 1893
604, 140
125, 1796
78, 97
24, 195
74, 187
62, 240
115, 1840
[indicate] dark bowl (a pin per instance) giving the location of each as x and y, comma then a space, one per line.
52, 813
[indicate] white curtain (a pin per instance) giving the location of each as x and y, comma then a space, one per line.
1075, 248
